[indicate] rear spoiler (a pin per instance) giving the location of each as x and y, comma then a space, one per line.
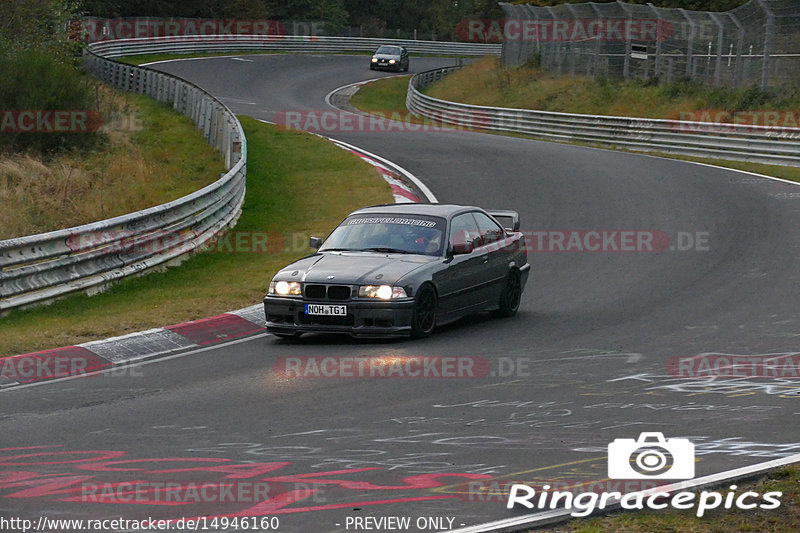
508, 219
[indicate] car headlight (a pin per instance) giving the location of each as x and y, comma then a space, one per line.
392, 61
285, 288
374, 59
383, 292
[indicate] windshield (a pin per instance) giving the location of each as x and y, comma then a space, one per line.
392, 50
412, 234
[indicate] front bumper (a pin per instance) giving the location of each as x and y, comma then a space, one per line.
365, 318
387, 66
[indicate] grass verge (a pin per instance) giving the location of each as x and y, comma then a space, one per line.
785, 519
487, 82
380, 96
149, 155
388, 98
297, 185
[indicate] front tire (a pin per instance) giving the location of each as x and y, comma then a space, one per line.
511, 295
423, 319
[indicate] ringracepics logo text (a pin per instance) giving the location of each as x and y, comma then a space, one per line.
650, 457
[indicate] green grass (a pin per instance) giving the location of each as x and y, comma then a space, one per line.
785, 519
487, 82
387, 96
298, 185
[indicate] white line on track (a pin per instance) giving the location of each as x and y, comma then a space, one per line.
184, 59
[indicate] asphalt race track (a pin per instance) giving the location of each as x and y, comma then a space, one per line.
587, 360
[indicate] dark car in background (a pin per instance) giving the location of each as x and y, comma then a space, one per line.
402, 269
390, 57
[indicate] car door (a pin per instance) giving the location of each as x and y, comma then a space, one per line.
459, 282
494, 258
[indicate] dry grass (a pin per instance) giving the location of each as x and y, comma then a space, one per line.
134, 169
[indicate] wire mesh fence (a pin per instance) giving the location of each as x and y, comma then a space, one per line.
757, 43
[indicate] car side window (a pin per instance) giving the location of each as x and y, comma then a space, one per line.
488, 229
463, 228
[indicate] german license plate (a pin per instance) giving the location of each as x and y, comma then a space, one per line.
326, 309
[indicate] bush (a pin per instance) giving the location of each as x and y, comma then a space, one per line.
34, 81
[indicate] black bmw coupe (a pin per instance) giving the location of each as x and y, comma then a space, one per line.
402, 269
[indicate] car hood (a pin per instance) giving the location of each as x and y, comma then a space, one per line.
354, 268
387, 56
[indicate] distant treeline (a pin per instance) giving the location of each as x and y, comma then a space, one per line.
370, 17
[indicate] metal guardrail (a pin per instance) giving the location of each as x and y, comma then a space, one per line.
283, 43
738, 142
43, 267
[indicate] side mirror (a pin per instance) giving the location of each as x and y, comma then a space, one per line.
463, 247
315, 242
